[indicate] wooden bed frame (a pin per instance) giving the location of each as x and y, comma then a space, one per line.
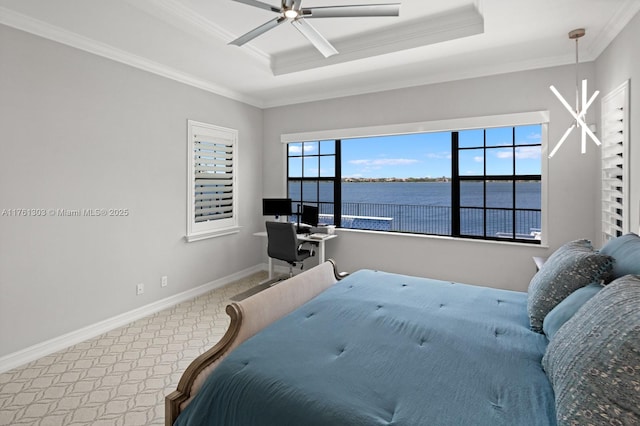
248, 317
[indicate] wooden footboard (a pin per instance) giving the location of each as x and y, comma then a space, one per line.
248, 317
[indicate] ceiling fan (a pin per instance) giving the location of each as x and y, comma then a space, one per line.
292, 11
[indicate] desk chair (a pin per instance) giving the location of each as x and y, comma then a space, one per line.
283, 244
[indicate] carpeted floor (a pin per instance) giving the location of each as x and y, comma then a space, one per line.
121, 377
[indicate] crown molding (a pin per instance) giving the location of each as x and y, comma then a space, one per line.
185, 19
185, 14
623, 15
424, 80
51, 32
461, 22
188, 20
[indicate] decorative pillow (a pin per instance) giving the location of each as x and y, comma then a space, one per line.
625, 251
567, 308
593, 362
572, 266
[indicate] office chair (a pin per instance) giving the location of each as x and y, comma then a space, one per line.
283, 244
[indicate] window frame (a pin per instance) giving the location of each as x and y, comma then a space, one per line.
514, 178
337, 199
451, 125
197, 231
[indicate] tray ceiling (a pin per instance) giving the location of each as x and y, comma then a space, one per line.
434, 41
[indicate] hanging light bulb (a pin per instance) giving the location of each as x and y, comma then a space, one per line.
579, 113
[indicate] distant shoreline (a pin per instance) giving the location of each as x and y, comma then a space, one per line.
410, 180
367, 180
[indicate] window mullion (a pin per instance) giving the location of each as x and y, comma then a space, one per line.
455, 185
484, 183
337, 186
513, 184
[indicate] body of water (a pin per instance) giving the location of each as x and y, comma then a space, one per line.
499, 194
425, 207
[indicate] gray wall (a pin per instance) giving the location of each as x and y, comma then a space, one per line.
80, 131
572, 200
618, 63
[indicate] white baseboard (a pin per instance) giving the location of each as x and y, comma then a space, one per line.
32, 353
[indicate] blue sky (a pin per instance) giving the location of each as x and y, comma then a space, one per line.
402, 156
429, 154
424, 155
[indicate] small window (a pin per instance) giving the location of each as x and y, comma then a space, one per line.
212, 192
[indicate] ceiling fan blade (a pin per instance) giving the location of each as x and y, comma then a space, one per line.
258, 31
314, 37
286, 4
390, 9
259, 4
297, 4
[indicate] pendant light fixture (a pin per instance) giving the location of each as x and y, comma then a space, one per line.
580, 112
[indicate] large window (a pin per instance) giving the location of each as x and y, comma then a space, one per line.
212, 203
478, 183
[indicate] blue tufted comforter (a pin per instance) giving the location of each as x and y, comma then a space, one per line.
386, 349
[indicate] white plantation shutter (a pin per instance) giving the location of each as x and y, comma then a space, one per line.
213, 168
615, 163
212, 181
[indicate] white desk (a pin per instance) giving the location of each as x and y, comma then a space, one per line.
306, 239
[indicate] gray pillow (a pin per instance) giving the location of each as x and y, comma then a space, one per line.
567, 308
572, 266
593, 362
625, 251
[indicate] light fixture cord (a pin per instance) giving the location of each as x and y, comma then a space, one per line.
577, 82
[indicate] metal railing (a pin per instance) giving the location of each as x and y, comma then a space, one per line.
436, 220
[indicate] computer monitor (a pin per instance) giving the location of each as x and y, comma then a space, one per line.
310, 215
276, 207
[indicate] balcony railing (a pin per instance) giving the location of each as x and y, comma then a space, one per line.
436, 220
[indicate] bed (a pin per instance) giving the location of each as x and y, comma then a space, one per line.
376, 348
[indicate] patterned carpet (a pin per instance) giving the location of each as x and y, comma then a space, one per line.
121, 377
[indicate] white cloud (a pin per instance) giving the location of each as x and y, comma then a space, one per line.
507, 153
297, 149
532, 137
439, 155
529, 152
384, 162
478, 159
522, 153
